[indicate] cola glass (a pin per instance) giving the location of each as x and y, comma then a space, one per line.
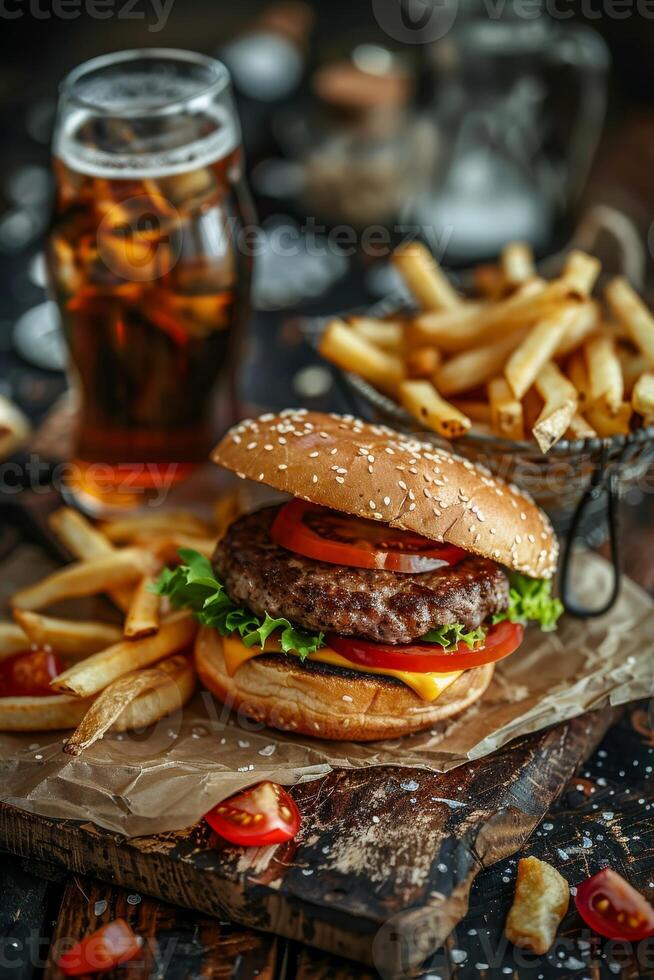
149, 264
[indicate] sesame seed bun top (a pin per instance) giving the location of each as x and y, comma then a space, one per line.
372, 471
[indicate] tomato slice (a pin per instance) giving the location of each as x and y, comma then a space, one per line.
263, 814
104, 949
28, 673
610, 906
327, 535
423, 658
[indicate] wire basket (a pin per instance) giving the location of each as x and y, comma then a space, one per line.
579, 482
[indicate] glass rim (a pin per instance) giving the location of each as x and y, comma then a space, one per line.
220, 82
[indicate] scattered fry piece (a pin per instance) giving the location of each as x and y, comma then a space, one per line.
425, 278
68, 637
143, 614
351, 352
423, 401
579, 428
94, 674
540, 902
86, 578
168, 686
42, 714
128, 529
84, 541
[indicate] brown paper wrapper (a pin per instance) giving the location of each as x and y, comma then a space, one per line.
167, 777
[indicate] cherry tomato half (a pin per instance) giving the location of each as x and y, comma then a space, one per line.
105, 949
28, 674
501, 640
263, 814
610, 906
327, 535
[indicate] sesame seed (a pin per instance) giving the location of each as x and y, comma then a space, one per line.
401, 484
314, 454
314, 478
339, 479
387, 501
251, 445
412, 506
282, 466
372, 505
268, 448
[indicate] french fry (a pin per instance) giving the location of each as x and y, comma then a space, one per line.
347, 350
167, 548
475, 367
128, 529
604, 373
642, 397
168, 686
478, 411
488, 281
95, 673
143, 615
559, 408
608, 424
84, 541
579, 329
506, 410
425, 278
581, 272
578, 374
540, 902
631, 312
12, 640
524, 364
86, 578
579, 428
68, 637
386, 334
449, 330
633, 365
422, 362
42, 714
532, 406
225, 511
517, 264
423, 401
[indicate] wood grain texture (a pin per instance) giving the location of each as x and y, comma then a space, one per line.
383, 866
175, 943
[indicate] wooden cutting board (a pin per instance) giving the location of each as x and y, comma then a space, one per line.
381, 870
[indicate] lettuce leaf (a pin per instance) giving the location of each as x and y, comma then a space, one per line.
193, 585
449, 637
530, 600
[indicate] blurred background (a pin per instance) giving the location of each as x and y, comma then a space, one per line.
464, 122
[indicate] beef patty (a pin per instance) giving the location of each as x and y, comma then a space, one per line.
379, 605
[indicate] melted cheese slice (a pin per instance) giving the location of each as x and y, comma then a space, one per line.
426, 686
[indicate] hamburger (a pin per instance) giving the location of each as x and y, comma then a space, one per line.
376, 601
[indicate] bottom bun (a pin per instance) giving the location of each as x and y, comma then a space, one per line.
325, 701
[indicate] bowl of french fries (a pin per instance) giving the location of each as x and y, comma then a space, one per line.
542, 380
129, 668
